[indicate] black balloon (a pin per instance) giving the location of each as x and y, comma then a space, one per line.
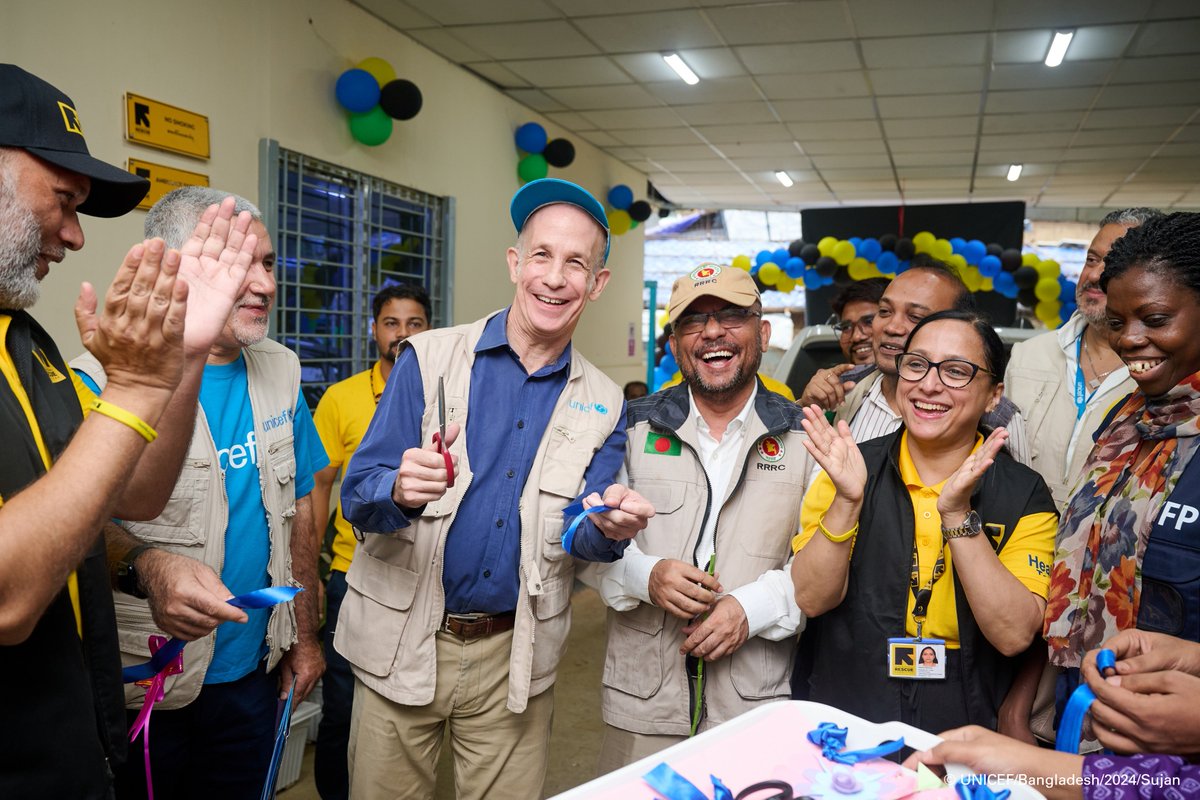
640, 211
994, 249
560, 153
825, 266
1027, 298
811, 254
400, 99
796, 248
664, 212
762, 287
1025, 278
1010, 260
905, 249
842, 277
888, 242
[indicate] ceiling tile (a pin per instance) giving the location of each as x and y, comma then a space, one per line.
721, 134
862, 129
753, 149
708, 63
584, 71
906, 161
1036, 139
1167, 37
1123, 136
845, 147
849, 110
1004, 156
519, 39
665, 152
773, 59
1038, 14
1175, 93
466, 12
1155, 69
933, 143
927, 105
446, 44
854, 160
927, 80
535, 99
633, 118
938, 126
496, 73
1021, 47
924, 51
1131, 117
399, 15
655, 136
814, 86
592, 98
723, 90
599, 138
1101, 41
570, 120
782, 22
1031, 100
1023, 123
799, 167
1038, 76
725, 113
658, 31
584, 8
918, 17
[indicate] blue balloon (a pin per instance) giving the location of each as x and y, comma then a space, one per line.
812, 278
780, 257
1067, 292
357, 90
990, 267
763, 257
957, 244
827, 280
870, 250
531, 138
887, 262
1067, 310
903, 266
855, 240
974, 251
1005, 285
668, 363
620, 197
794, 267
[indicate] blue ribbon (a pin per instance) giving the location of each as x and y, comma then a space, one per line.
1070, 728
832, 741
673, 786
1106, 659
260, 598
969, 790
283, 730
568, 537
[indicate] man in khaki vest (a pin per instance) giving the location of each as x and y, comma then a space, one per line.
703, 615
458, 599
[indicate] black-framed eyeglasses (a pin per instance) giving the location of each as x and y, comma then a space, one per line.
954, 372
728, 318
863, 323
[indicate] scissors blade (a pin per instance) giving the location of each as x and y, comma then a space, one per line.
442, 409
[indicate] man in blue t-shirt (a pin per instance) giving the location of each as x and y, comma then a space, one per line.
242, 514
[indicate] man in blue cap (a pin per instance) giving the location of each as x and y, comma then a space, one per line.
458, 603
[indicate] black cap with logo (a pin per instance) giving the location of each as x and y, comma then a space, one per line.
40, 119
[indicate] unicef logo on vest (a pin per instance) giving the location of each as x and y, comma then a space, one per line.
587, 408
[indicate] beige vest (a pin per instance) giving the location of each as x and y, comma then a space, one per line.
196, 516
645, 682
1036, 380
395, 601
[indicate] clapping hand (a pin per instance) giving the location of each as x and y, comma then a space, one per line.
835, 450
955, 499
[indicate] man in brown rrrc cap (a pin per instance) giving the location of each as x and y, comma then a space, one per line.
61, 476
703, 616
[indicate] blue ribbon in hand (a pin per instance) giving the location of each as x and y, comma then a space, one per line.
568, 537
832, 741
1070, 728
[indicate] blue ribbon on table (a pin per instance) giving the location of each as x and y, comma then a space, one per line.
580, 514
832, 741
260, 598
968, 790
673, 786
1070, 728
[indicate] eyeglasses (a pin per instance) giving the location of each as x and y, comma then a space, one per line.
953, 372
728, 318
863, 323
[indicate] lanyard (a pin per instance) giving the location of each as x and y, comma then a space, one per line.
921, 594
1081, 393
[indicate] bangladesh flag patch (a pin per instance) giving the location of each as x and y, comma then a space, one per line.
658, 444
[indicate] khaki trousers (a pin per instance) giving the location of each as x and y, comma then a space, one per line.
499, 755
621, 747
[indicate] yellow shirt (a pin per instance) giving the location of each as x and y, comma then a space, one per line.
769, 382
9, 369
1028, 554
342, 418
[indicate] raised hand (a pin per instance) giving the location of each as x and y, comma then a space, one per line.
835, 450
214, 261
422, 476
955, 498
826, 388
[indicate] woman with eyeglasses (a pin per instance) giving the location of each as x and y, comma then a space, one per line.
930, 535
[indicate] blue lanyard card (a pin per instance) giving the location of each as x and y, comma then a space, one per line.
917, 659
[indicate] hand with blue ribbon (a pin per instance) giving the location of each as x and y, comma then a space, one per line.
626, 512
187, 597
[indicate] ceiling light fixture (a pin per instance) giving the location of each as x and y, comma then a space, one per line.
785, 179
1058, 48
681, 69
1014, 172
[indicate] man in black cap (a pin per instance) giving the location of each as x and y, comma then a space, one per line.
61, 476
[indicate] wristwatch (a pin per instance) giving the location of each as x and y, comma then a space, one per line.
971, 526
127, 575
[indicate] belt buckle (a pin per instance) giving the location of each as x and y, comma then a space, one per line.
461, 619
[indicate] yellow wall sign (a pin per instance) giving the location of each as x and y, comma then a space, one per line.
163, 179
166, 127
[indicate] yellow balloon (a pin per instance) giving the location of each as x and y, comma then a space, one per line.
742, 262
972, 279
380, 70
826, 245
1029, 259
1047, 289
843, 253
923, 241
663, 319
942, 249
619, 222
859, 269
1048, 269
768, 273
985, 285
785, 284
956, 260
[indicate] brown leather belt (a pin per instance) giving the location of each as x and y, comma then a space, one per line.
472, 626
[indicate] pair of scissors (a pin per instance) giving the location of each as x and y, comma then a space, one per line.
439, 438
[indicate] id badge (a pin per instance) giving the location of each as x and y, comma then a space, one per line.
917, 659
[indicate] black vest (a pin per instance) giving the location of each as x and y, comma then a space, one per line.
842, 659
60, 697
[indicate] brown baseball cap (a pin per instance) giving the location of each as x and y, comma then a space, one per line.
712, 280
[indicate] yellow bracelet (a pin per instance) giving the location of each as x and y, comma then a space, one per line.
836, 539
125, 417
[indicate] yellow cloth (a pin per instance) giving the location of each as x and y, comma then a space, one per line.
769, 382
9, 369
342, 418
1031, 545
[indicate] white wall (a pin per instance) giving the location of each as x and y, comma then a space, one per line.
266, 69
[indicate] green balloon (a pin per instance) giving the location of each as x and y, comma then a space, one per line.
532, 167
371, 128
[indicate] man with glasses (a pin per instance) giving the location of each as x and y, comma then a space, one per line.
703, 614
855, 308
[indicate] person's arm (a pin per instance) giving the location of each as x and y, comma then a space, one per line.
621, 584
327, 420
213, 262
984, 752
321, 493
47, 528
821, 568
1014, 713
305, 659
770, 605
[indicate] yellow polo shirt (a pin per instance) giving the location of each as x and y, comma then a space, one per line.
768, 381
342, 418
9, 369
1031, 544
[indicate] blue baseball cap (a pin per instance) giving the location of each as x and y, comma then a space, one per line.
548, 191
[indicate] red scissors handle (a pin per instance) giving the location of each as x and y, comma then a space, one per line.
445, 451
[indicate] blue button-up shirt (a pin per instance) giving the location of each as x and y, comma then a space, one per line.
508, 412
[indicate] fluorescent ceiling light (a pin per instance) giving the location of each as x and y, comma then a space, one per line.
681, 69
1014, 172
1058, 48
785, 179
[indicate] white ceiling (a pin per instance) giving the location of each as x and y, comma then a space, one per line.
861, 101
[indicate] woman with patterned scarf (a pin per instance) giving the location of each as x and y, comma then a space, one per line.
1127, 553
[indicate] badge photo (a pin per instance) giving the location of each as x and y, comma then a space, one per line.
917, 659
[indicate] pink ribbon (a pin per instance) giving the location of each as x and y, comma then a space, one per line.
154, 693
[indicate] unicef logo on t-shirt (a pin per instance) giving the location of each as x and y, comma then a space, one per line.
239, 455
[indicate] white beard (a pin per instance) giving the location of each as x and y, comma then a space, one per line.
20, 244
